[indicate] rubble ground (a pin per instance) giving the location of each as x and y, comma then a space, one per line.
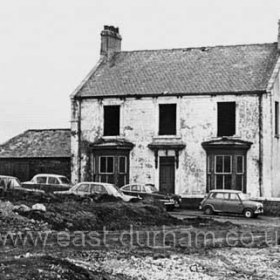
73, 214
222, 263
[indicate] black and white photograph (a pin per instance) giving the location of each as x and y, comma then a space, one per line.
139, 140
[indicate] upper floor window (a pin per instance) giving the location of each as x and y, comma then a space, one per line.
226, 118
167, 119
276, 118
111, 120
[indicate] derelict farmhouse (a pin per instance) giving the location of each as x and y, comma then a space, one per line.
188, 120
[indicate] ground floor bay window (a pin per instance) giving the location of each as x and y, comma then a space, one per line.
226, 164
110, 161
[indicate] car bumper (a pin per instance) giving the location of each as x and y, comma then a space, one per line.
258, 211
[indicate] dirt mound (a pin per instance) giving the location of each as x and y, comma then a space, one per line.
74, 215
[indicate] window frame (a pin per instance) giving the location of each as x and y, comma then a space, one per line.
113, 170
211, 174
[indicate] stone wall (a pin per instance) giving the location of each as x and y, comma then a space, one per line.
196, 122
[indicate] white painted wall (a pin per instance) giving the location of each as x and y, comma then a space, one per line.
196, 122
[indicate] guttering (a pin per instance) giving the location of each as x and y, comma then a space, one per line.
178, 94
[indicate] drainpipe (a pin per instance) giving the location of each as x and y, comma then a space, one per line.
260, 144
79, 139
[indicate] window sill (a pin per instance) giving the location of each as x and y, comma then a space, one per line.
112, 137
167, 137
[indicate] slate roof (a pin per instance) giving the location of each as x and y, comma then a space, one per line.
40, 143
220, 69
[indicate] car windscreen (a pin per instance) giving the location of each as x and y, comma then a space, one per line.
113, 190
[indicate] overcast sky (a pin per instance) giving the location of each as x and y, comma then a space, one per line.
48, 46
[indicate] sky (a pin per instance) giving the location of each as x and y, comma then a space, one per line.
49, 46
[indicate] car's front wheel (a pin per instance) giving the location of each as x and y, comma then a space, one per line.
248, 213
208, 210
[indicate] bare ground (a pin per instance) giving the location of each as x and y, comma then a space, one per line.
256, 261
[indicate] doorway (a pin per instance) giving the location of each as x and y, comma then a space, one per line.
167, 174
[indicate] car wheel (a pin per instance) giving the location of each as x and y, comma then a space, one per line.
208, 210
248, 213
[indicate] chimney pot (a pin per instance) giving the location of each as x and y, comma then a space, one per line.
110, 41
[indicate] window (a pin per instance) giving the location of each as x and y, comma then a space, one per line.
111, 120
53, 181
122, 165
226, 118
167, 119
41, 180
234, 196
276, 118
98, 189
135, 188
223, 172
220, 196
106, 165
110, 167
226, 171
83, 188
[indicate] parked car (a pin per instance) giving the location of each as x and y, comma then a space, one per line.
91, 188
150, 191
230, 201
10, 183
48, 182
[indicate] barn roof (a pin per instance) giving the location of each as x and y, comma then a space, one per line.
42, 143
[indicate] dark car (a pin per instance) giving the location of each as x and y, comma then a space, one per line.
150, 191
12, 184
230, 201
84, 189
48, 183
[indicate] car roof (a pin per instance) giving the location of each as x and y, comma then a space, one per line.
99, 183
8, 177
45, 174
226, 191
142, 184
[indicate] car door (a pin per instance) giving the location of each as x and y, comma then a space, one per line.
233, 204
40, 183
83, 189
53, 184
217, 201
135, 190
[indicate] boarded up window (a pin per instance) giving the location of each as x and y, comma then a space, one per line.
226, 118
167, 119
111, 120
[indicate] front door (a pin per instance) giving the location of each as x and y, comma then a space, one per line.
167, 174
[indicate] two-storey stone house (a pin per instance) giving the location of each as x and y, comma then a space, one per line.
188, 120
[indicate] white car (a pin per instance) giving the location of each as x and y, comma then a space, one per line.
90, 188
48, 182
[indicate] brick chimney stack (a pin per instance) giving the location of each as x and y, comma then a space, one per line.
110, 41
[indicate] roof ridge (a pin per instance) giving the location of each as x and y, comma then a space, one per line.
194, 48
